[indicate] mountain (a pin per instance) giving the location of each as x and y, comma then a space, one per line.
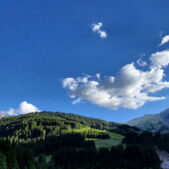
48, 140
36, 126
152, 122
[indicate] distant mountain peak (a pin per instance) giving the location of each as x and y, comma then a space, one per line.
152, 122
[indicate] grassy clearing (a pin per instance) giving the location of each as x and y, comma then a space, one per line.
114, 140
48, 159
87, 129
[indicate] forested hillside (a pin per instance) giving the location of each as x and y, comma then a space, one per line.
67, 141
36, 126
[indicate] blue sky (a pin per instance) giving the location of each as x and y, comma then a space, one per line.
43, 42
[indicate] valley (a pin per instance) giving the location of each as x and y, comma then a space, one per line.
54, 140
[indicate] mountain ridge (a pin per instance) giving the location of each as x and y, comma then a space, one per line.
40, 125
152, 122
62, 141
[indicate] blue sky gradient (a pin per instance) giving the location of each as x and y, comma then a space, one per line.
42, 42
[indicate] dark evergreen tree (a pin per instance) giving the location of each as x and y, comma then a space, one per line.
3, 164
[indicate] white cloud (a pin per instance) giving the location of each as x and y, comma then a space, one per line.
24, 108
141, 62
98, 75
78, 100
102, 34
160, 59
97, 28
130, 88
165, 39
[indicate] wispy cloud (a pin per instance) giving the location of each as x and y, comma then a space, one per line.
23, 108
78, 100
96, 27
141, 62
164, 40
130, 88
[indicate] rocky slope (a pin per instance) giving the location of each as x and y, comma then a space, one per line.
153, 123
164, 157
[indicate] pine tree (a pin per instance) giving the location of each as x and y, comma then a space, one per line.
3, 161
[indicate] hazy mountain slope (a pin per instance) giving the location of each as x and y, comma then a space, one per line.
153, 123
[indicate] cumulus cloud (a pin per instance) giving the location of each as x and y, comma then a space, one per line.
130, 88
96, 27
23, 108
165, 39
160, 59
